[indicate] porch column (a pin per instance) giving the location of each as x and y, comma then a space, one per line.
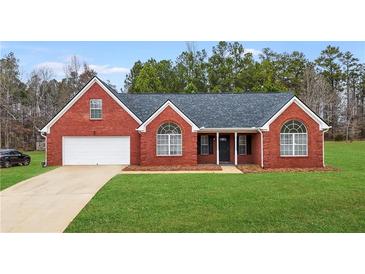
235, 148
217, 143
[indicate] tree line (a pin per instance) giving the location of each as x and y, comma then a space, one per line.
333, 85
26, 106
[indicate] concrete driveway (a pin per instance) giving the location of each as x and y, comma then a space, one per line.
49, 202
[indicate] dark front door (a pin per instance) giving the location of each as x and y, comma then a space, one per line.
224, 148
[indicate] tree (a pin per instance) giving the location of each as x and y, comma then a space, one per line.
86, 75
191, 71
155, 77
11, 97
351, 74
130, 80
315, 90
328, 64
230, 68
268, 70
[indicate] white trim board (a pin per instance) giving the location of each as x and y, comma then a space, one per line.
47, 128
142, 127
315, 117
228, 130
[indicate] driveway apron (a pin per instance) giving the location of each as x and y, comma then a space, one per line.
50, 201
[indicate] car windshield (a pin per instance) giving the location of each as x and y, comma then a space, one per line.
6, 152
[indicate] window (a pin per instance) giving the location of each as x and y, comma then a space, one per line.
293, 139
242, 145
96, 106
204, 145
169, 141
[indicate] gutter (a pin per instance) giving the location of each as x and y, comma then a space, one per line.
45, 147
324, 131
262, 147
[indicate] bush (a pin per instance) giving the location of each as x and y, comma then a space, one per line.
339, 137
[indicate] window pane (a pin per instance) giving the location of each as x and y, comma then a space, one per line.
95, 103
242, 147
301, 139
300, 150
242, 139
286, 150
175, 139
163, 139
96, 113
293, 126
162, 150
204, 139
169, 128
286, 139
204, 149
175, 149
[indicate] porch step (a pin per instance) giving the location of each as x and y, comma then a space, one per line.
230, 169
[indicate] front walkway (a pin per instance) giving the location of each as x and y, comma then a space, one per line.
50, 201
227, 169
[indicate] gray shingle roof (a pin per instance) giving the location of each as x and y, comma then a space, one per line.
223, 110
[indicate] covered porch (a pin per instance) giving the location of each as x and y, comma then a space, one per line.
234, 147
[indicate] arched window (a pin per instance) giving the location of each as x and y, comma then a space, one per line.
293, 139
168, 142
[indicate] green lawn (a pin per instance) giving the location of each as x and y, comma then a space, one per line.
267, 202
13, 175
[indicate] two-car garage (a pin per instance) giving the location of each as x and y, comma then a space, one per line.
95, 150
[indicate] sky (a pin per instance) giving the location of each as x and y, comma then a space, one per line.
113, 60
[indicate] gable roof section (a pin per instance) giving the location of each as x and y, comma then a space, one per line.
208, 111
322, 124
168, 103
105, 87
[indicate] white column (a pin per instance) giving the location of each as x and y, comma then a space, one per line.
235, 148
217, 151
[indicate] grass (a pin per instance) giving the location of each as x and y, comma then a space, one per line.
266, 202
16, 174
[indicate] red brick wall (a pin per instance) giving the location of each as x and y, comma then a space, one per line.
272, 158
76, 122
148, 141
256, 148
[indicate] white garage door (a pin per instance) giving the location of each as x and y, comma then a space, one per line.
101, 150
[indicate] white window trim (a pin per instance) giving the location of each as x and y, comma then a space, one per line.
93, 108
201, 144
293, 155
168, 145
245, 144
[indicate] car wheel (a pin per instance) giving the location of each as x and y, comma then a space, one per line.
7, 164
26, 163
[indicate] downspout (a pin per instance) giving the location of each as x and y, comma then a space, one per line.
45, 147
324, 131
262, 148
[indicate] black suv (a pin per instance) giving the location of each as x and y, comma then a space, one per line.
11, 157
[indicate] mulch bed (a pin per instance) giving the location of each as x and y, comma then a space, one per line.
258, 169
172, 168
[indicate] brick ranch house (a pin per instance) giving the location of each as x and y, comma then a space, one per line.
101, 126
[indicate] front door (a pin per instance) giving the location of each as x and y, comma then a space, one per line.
224, 148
